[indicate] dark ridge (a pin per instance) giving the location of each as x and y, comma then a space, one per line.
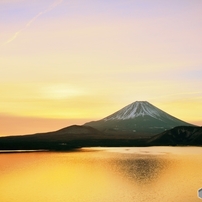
178, 136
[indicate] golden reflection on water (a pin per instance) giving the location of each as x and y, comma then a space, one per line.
143, 169
106, 175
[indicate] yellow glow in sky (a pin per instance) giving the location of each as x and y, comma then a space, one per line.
80, 60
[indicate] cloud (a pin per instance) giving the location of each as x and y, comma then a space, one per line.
51, 7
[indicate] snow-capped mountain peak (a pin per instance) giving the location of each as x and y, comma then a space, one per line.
136, 109
140, 118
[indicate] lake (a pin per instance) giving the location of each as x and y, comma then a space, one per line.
136, 174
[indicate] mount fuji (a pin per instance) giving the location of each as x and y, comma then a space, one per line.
139, 118
138, 124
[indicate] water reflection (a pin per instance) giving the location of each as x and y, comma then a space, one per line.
143, 169
101, 176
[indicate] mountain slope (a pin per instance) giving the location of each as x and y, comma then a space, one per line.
181, 135
66, 138
140, 118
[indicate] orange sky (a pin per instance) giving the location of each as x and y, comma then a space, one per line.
65, 62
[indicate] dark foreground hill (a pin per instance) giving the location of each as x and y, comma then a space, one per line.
67, 138
178, 136
84, 136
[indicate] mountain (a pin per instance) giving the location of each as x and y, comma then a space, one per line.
139, 118
181, 135
135, 125
66, 138
74, 137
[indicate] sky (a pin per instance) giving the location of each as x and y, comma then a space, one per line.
65, 62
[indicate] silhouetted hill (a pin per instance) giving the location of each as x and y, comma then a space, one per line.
67, 138
85, 136
182, 135
63, 138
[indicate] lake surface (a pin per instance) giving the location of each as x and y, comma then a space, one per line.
168, 174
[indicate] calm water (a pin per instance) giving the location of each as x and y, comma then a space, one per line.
103, 175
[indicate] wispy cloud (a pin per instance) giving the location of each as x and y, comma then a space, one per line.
51, 7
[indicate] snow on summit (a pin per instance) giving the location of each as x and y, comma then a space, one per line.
136, 109
139, 118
